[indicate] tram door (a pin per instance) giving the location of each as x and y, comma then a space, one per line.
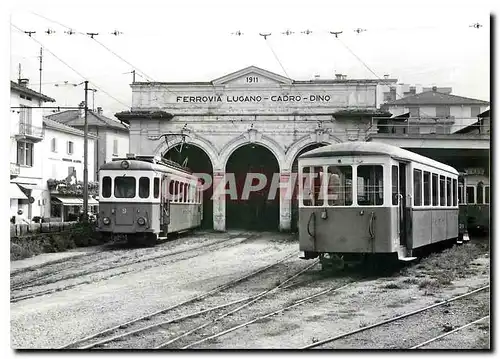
404, 207
165, 204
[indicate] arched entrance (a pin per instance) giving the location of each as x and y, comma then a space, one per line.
295, 171
197, 161
261, 209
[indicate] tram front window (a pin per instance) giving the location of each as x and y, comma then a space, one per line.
339, 185
124, 187
370, 185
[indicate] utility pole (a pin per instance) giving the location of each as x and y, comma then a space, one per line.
85, 159
41, 55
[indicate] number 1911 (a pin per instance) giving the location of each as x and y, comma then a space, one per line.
251, 79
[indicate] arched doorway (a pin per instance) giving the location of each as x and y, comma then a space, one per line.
295, 171
259, 211
197, 161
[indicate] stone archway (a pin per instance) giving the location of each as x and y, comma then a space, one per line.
257, 209
252, 136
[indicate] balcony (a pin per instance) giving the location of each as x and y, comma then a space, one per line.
30, 132
15, 170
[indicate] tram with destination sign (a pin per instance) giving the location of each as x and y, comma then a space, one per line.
145, 198
365, 200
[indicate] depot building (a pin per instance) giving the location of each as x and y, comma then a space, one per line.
249, 121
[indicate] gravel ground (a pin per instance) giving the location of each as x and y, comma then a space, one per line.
54, 320
363, 303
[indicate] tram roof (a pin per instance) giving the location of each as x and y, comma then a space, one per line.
144, 165
374, 148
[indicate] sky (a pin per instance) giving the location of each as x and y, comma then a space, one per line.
424, 42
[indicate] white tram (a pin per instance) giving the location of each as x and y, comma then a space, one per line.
358, 199
146, 198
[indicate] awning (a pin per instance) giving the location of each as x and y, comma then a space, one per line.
67, 201
402, 117
73, 201
15, 192
92, 202
27, 186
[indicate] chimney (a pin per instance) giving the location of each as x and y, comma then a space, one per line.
81, 107
386, 76
24, 82
338, 76
99, 110
434, 89
344, 77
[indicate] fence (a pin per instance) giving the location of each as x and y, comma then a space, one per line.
20, 230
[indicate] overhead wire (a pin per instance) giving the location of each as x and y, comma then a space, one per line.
71, 67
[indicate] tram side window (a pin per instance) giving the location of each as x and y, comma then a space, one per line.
427, 188
479, 198
124, 187
448, 191
371, 190
395, 185
487, 194
184, 192
442, 191
171, 190
144, 187
156, 187
454, 192
460, 193
106, 187
312, 188
417, 187
175, 194
339, 191
471, 195
435, 196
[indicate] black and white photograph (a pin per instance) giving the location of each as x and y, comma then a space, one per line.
240, 175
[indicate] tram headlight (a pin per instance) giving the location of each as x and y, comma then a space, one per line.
106, 220
125, 164
141, 221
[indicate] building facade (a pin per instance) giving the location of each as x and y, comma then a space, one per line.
432, 112
63, 148
252, 121
26, 154
112, 137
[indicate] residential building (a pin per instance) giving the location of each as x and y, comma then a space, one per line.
112, 136
390, 90
431, 112
62, 172
26, 156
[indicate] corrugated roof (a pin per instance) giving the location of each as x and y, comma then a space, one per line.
28, 91
435, 98
72, 118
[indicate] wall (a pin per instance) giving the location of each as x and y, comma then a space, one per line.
57, 163
27, 175
123, 144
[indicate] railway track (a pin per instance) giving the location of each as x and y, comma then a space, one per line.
198, 250
164, 316
388, 321
68, 263
418, 346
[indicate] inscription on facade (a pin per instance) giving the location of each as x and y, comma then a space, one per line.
253, 98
